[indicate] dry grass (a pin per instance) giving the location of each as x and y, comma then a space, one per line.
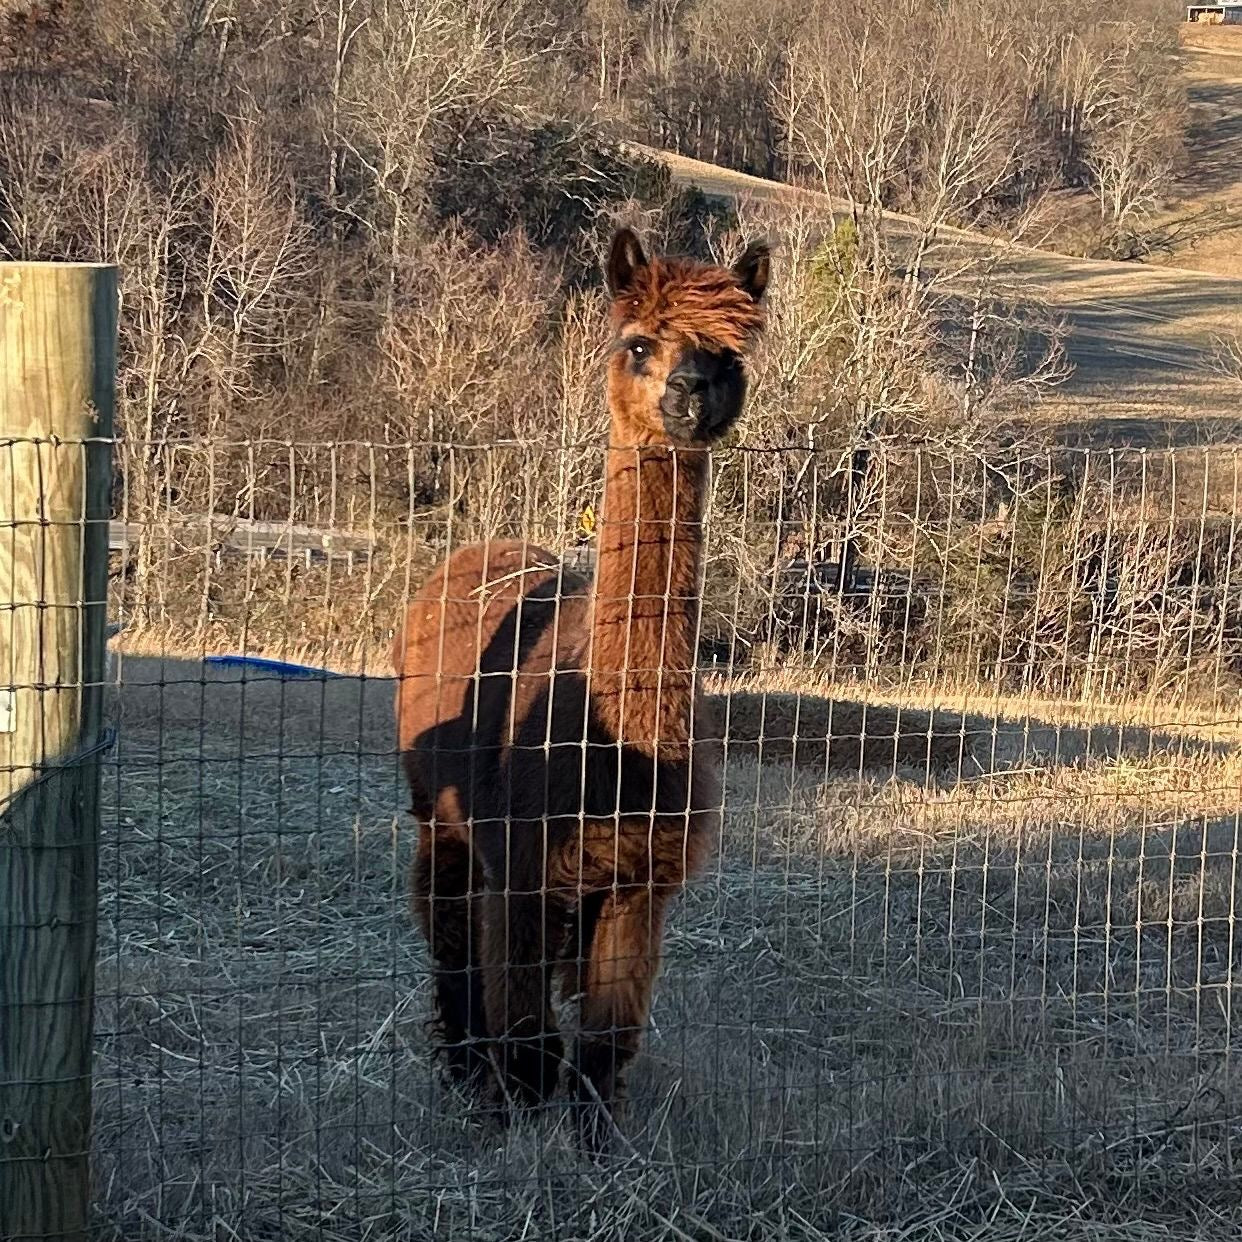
905, 1003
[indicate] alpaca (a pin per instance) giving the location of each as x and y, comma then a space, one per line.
558, 755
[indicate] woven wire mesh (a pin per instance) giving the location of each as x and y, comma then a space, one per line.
964, 953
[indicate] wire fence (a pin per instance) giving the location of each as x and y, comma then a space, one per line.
962, 957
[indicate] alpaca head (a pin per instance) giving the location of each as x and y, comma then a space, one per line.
682, 330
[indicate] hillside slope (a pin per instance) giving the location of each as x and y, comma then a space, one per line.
1140, 338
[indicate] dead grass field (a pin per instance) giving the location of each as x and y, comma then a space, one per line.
1140, 337
991, 1000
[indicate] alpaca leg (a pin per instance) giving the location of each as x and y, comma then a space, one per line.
620, 973
572, 971
519, 951
445, 894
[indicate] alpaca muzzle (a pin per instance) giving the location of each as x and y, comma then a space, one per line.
685, 407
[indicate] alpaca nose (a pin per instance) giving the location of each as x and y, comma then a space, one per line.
686, 395
680, 390
686, 382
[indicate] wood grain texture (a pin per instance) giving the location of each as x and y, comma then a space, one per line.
57, 375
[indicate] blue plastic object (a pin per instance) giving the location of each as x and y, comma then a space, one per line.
280, 668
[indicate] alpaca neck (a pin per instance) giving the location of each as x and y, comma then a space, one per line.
645, 613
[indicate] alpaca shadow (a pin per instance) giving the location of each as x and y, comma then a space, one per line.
814, 733
835, 737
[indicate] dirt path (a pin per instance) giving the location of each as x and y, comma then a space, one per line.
1212, 179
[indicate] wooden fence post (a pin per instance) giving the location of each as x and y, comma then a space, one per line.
57, 375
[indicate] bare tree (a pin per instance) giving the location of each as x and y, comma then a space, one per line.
124, 215
39, 179
1131, 157
1227, 357
257, 262
851, 107
418, 64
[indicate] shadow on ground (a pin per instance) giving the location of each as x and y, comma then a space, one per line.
841, 735
234, 713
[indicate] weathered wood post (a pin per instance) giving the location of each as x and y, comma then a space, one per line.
57, 374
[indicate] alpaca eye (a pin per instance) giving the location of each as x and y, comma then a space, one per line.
639, 350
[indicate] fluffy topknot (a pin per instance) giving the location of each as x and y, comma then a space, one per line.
706, 305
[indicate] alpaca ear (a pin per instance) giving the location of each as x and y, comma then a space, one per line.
625, 258
751, 269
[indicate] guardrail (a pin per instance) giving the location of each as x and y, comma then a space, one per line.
248, 537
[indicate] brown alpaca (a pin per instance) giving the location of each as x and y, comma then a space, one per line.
556, 750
